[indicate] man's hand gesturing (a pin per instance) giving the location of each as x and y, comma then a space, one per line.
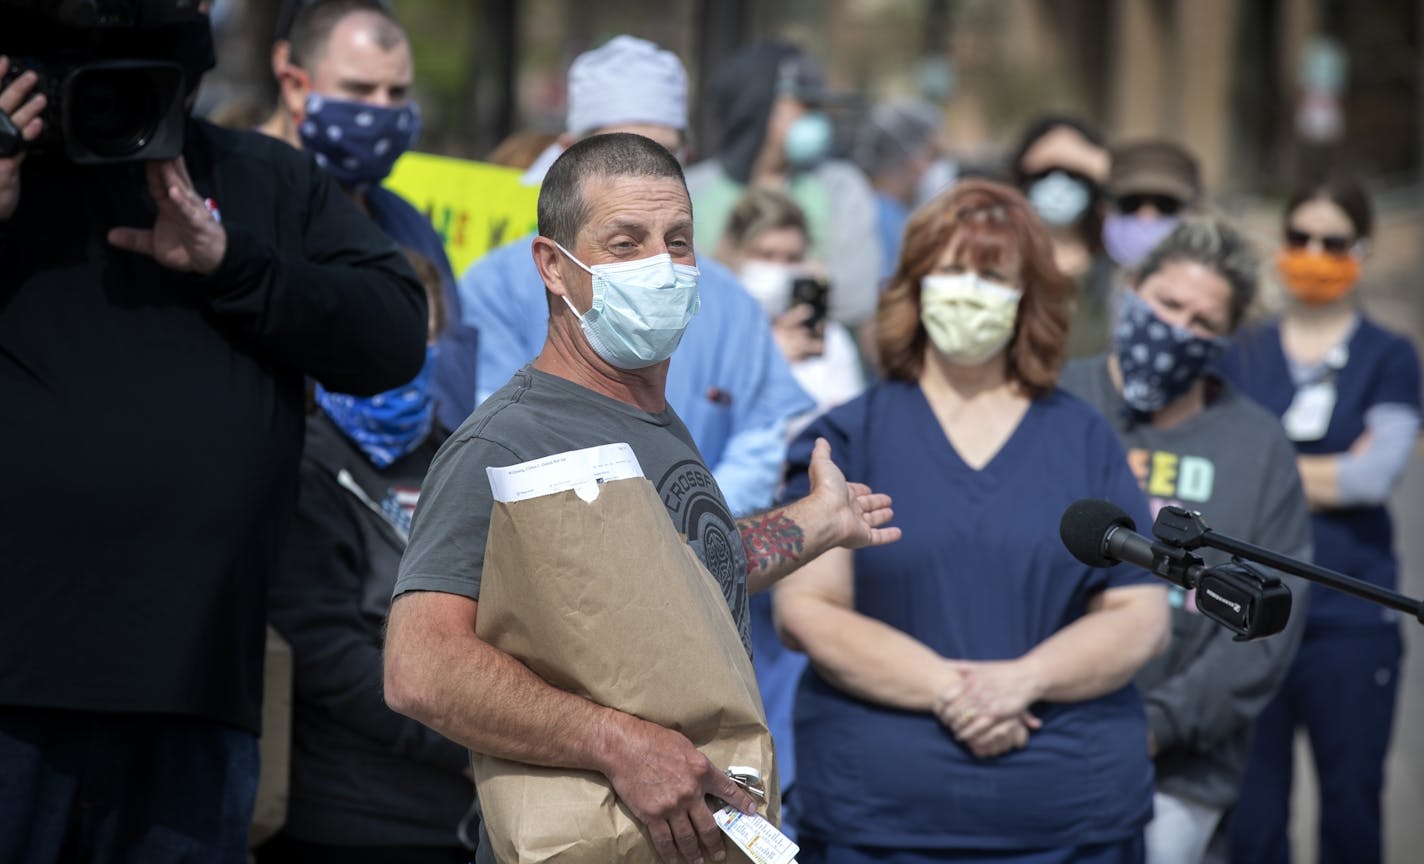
185, 236
855, 513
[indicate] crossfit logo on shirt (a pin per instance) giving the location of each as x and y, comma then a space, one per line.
695, 504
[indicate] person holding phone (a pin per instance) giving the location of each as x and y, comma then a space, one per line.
766, 242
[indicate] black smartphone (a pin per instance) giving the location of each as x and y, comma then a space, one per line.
814, 292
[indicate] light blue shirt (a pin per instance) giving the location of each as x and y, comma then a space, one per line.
890, 219
727, 380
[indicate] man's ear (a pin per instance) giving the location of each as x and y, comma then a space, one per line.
549, 261
281, 58
293, 87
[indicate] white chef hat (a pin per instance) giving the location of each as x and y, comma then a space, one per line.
626, 80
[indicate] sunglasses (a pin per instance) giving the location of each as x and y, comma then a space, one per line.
1335, 244
1164, 204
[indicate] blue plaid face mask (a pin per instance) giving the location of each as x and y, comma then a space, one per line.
357, 143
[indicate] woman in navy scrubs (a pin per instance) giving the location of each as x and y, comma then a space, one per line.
969, 693
1347, 391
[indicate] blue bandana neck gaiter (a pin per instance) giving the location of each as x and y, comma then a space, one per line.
357, 143
388, 425
1158, 362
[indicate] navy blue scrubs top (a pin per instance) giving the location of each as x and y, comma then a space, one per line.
1381, 368
980, 574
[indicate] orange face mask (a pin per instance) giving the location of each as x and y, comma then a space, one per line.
1317, 277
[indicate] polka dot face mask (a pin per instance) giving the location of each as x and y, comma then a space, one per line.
356, 142
1158, 362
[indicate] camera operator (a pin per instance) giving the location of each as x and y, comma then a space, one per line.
158, 318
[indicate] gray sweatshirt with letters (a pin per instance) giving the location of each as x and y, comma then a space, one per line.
1233, 463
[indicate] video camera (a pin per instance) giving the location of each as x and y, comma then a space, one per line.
101, 107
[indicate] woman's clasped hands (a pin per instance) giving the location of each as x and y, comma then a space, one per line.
986, 705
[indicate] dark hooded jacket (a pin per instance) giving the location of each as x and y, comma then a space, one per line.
843, 235
742, 92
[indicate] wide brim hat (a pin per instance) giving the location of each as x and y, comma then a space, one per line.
1154, 168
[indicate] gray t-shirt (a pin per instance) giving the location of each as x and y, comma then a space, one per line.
535, 415
1232, 462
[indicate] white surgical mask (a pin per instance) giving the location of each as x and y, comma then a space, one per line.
770, 284
809, 139
968, 318
640, 309
1060, 199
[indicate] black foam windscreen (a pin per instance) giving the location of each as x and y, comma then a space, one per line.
1084, 525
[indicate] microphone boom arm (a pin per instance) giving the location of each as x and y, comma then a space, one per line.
1186, 529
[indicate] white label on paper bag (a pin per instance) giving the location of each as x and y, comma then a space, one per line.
579, 470
760, 839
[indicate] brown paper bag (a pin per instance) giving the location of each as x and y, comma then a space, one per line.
606, 600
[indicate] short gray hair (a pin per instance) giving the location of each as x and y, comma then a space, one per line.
1216, 244
562, 208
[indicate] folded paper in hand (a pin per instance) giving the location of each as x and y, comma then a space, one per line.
599, 595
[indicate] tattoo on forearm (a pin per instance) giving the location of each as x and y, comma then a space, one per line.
770, 539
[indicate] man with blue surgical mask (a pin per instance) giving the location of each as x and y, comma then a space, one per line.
345, 72
728, 382
768, 102
615, 253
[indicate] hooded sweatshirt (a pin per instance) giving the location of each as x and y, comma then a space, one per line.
742, 93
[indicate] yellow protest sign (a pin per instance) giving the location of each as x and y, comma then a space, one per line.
474, 206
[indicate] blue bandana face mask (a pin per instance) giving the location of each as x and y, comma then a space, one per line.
640, 309
1158, 362
388, 425
357, 143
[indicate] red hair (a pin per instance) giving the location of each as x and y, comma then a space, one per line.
991, 222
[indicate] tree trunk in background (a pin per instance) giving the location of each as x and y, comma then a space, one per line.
722, 26
1086, 27
491, 92
259, 23
1139, 57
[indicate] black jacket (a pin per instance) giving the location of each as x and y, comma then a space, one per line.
152, 420
361, 773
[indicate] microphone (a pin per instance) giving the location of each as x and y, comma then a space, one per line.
1241, 598
1100, 534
